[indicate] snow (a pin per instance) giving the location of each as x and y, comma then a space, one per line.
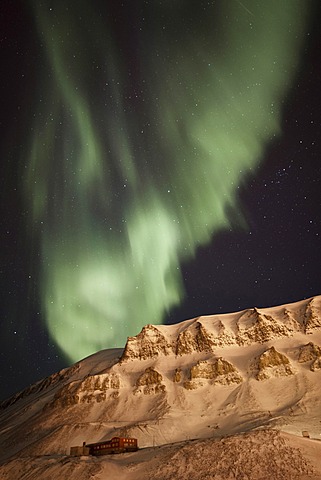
214, 430
259, 455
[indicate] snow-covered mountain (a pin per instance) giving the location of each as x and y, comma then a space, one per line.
179, 388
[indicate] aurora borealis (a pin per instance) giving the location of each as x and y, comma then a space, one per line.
146, 120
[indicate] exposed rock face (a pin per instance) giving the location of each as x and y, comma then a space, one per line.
194, 339
273, 364
312, 318
249, 326
316, 364
311, 353
149, 377
177, 375
223, 336
93, 389
150, 382
149, 343
290, 322
220, 371
255, 326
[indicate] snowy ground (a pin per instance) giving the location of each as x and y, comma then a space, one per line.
259, 455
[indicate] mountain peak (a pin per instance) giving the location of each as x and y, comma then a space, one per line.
149, 343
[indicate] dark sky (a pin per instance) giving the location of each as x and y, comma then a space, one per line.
112, 78
278, 261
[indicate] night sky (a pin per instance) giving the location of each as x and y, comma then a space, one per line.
160, 160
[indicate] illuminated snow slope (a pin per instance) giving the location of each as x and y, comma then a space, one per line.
245, 375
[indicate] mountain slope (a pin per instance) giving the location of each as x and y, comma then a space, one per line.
204, 378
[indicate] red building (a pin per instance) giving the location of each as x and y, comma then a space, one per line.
115, 445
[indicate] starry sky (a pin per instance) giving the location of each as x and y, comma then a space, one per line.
160, 160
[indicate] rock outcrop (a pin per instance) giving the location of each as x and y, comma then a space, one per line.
149, 343
224, 336
204, 335
273, 364
312, 317
219, 371
310, 353
149, 382
291, 323
194, 338
177, 375
93, 389
255, 326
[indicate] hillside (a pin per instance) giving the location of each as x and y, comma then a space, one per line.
222, 383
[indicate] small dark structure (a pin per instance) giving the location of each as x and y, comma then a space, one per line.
79, 450
115, 445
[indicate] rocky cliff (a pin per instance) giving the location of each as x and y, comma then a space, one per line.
273, 364
206, 334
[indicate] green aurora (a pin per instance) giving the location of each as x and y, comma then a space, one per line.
145, 129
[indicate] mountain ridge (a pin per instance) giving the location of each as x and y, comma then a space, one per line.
209, 377
260, 327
